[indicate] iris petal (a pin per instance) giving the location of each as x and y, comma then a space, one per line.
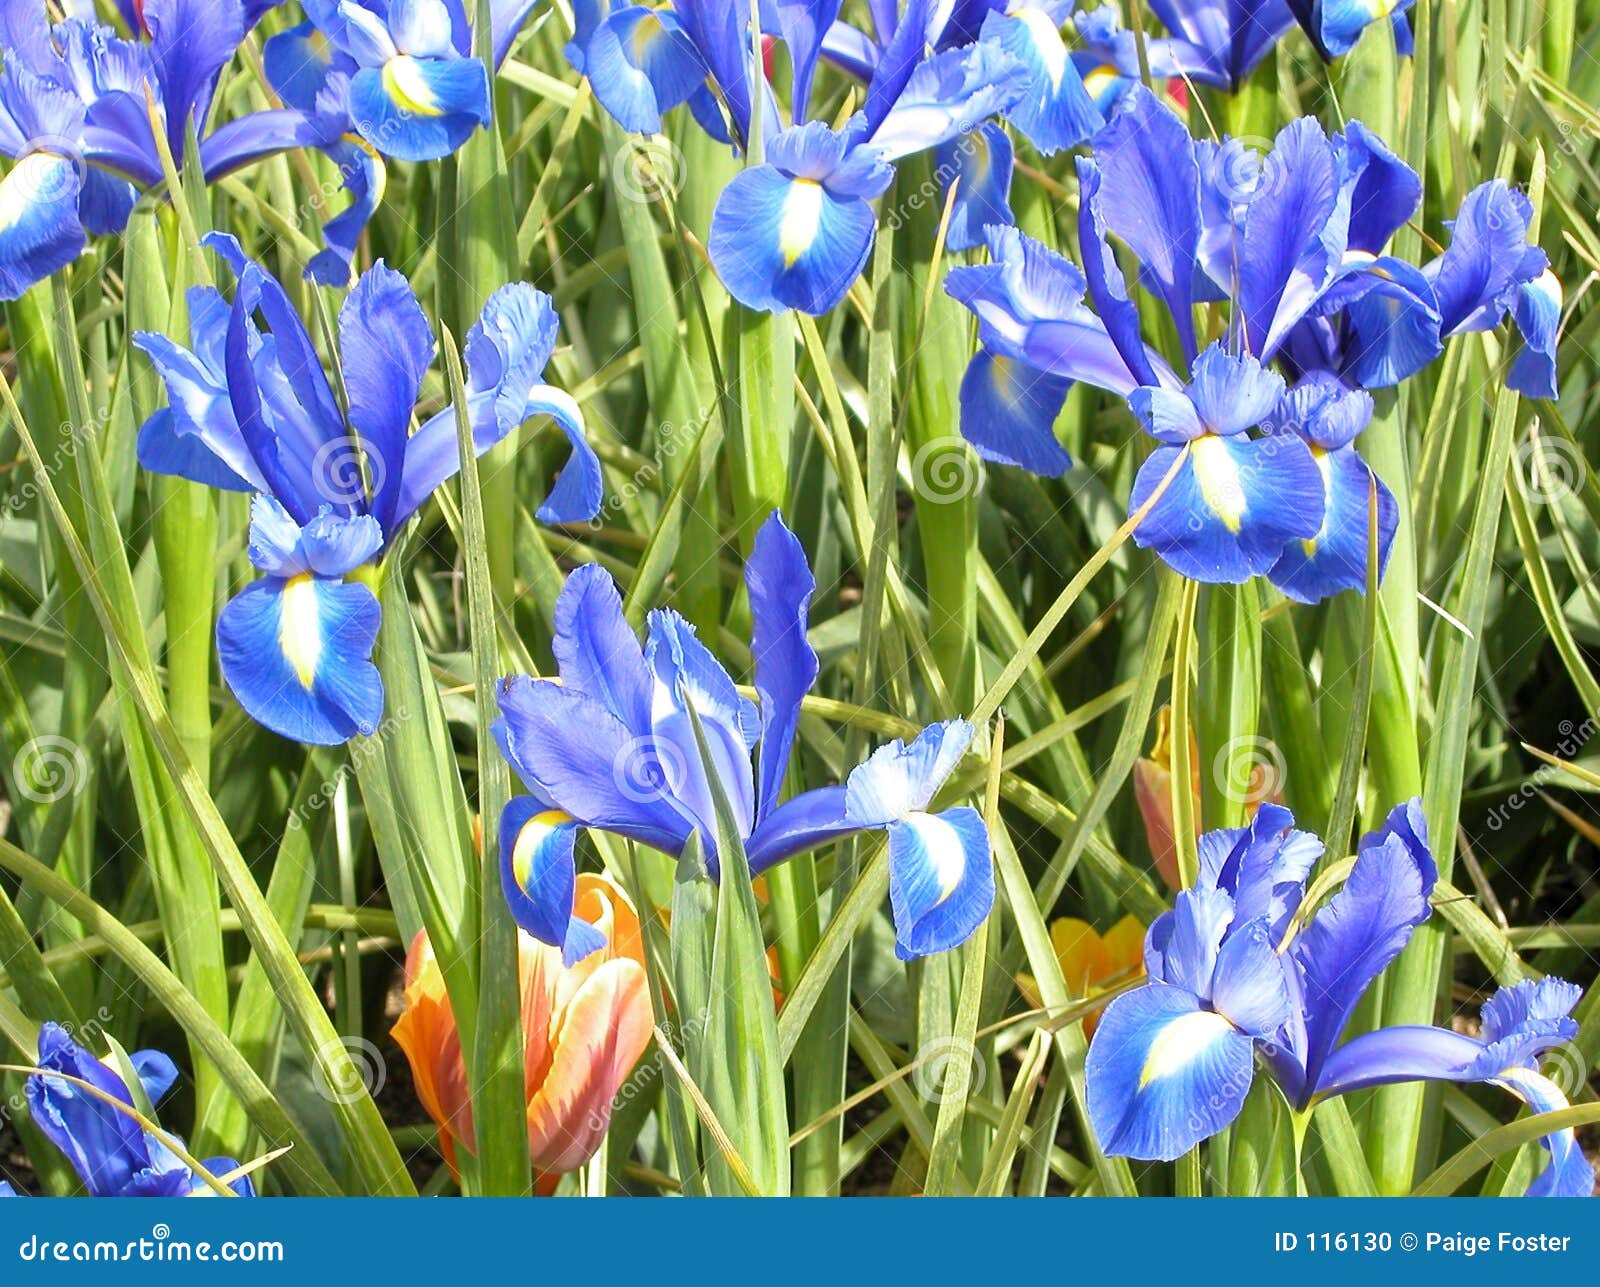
1164, 1073
1055, 110
978, 164
780, 243
1009, 410
297, 654
1537, 312
540, 878
596, 649
1335, 559
1360, 930
1569, 1174
899, 779
780, 585
941, 880
641, 64
40, 229
1293, 237
420, 109
1232, 506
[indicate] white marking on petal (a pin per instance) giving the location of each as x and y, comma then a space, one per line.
1180, 1043
300, 627
1218, 475
801, 221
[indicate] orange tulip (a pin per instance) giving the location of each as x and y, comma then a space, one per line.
1091, 961
1152, 787
584, 1029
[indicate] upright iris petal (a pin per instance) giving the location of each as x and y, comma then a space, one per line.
1055, 111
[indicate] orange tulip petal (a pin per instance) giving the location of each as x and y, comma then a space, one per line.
604, 1030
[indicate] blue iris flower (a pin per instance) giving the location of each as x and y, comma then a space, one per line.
796, 230
385, 78
403, 70
1488, 271
612, 747
1295, 245
74, 118
113, 1155
1238, 969
1210, 42
253, 411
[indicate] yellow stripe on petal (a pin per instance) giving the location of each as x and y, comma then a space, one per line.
1217, 473
406, 86
1100, 80
646, 32
535, 831
802, 220
1325, 468
1180, 1043
1046, 39
300, 627
1005, 374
